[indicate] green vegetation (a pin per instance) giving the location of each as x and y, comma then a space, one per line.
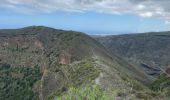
76, 75
83, 72
140, 90
88, 93
17, 49
16, 83
162, 84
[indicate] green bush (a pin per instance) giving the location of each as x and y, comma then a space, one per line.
162, 85
88, 93
17, 82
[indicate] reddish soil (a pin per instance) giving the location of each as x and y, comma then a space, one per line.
168, 71
64, 58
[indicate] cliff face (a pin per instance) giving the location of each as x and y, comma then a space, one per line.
64, 58
168, 71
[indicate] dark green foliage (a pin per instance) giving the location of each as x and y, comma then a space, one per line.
17, 49
162, 84
17, 82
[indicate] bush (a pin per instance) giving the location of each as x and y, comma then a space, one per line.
87, 93
17, 82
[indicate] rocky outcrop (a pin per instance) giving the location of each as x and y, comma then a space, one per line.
168, 71
64, 58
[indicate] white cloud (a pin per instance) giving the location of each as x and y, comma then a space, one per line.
146, 14
140, 7
144, 8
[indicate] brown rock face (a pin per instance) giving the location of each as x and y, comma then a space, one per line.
168, 71
64, 58
38, 44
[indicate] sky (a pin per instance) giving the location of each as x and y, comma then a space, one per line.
95, 17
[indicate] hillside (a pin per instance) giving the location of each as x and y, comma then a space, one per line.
149, 51
43, 63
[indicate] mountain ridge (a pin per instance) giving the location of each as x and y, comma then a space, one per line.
62, 59
152, 44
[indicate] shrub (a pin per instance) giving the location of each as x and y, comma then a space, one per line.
17, 82
87, 93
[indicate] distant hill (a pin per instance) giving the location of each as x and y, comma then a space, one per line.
39, 62
149, 51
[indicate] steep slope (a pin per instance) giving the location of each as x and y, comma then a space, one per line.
149, 51
162, 84
44, 62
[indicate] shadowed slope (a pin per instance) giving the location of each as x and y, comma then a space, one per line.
149, 51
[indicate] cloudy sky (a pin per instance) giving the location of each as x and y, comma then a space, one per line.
89, 16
